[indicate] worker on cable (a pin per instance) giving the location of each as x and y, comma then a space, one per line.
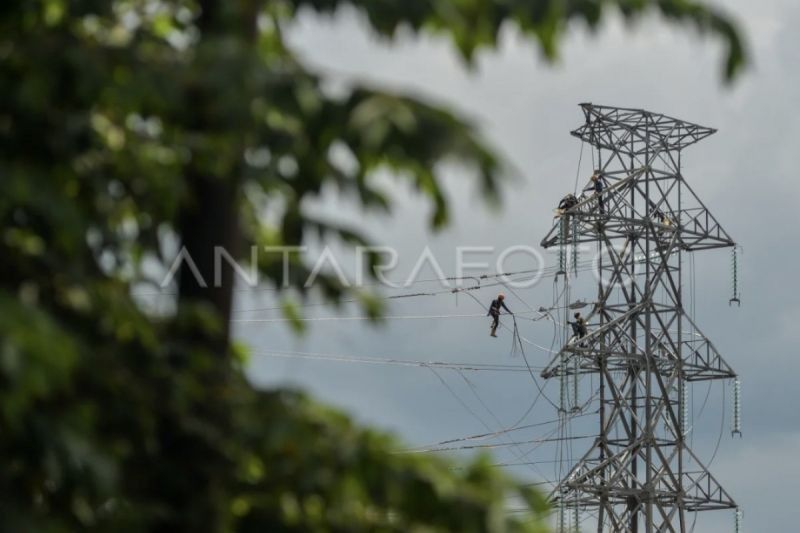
597, 187
579, 328
494, 312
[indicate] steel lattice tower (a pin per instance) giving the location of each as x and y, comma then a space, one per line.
640, 475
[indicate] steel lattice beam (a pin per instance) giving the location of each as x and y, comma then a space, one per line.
639, 473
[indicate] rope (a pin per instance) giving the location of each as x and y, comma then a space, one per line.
530, 371
578, 172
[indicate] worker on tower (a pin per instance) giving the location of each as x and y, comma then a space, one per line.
597, 187
579, 328
494, 312
665, 221
566, 203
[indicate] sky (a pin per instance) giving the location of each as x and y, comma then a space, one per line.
524, 108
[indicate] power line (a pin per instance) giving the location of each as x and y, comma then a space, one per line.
498, 445
545, 272
515, 450
351, 318
475, 367
493, 433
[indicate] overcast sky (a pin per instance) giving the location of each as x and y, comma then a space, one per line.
525, 108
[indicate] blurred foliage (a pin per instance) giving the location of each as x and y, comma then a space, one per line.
128, 125
473, 24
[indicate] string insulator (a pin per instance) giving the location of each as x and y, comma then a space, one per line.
736, 423
735, 276
562, 248
563, 384
684, 410
575, 245
576, 365
576, 520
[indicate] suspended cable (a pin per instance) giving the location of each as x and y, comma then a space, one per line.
538, 483
721, 429
459, 399
493, 434
497, 445
513, 427
475, 367
694, 522
578, 172
584, 266
349, 318
506, 465
563, 419
515, 450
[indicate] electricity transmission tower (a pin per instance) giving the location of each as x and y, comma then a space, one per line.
640, 475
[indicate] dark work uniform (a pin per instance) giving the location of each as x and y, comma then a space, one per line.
494, 311
579, 329
597, 186
568, 202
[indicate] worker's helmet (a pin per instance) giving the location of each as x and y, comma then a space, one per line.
501, 296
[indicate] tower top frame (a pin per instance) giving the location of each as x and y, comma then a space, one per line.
632, 131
